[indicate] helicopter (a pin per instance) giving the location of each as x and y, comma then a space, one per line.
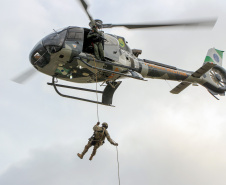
68, 54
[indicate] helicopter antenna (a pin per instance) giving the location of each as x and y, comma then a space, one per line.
56, 32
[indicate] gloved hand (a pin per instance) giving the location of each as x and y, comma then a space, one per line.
116, 144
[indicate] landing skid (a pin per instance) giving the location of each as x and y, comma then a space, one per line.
107, 94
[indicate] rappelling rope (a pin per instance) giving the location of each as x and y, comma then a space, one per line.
96, 91
118, 165
98, 120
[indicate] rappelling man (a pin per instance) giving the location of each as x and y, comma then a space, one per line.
97, 39
97, 139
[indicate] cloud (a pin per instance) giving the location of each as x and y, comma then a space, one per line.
156, 152
59, 165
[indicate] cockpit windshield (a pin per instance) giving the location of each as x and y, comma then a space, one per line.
54, 42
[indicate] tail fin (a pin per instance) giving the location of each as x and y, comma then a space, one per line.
214, 56
216, 77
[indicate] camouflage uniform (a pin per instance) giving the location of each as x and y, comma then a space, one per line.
97, 140
97, 40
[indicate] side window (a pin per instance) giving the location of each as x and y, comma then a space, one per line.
71, 34
55, 39
74, 34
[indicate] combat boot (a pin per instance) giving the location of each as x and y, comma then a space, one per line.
103, 59
80, 155
91, 157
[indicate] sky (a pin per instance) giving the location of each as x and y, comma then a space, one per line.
163, 138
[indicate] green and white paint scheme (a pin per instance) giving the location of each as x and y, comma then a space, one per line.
215, 76
214, 56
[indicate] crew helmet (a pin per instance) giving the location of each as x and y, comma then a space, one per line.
105, 125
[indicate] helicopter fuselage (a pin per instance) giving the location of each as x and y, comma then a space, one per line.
68, 54
59, 54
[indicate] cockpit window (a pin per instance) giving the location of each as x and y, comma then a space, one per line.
54, 42
56, 39
75, 34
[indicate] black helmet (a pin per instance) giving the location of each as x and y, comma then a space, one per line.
105, 125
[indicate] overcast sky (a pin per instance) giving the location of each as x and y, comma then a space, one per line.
164, 139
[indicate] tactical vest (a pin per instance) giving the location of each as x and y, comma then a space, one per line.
99, 135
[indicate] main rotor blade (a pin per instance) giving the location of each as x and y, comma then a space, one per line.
201, 23
24, 76
85, 6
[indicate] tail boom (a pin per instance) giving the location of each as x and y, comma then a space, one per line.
211, 75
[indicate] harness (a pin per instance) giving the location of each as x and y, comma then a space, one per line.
97, 137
